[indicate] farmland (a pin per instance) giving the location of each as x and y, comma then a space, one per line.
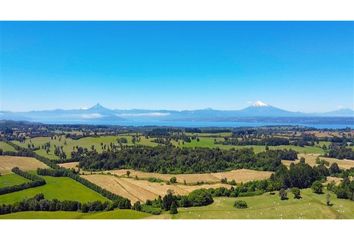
143, 164
85, 142
61, 188
239, 175
311, 160
11, 179
6, 147
24, 163
310, 206
115, 214
142, 190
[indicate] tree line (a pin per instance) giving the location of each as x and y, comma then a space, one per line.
340, 152
39, 203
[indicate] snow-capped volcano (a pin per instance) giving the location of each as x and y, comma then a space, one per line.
259, 104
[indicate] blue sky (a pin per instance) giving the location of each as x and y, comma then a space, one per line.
298, 66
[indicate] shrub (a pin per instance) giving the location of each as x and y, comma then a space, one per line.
283, 194
317, 187
173, 209
240, 204
296, 192
173, 180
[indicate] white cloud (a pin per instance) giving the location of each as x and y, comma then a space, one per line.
260, 104
91, 116
151, 114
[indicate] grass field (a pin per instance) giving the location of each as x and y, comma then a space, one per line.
24, 163
240, 175
6, 147
311, 160
208, 142
116, 214
11, 180
61, 188
205, 140
266, 206
142, 190
85, 142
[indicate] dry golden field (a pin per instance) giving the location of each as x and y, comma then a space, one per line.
142, 190
240, 175
24, 163
311, 160
70, 165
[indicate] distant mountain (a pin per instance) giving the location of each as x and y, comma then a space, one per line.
344, 112
260, 109
94, 114
98, 114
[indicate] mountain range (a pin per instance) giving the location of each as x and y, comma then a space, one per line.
100, 114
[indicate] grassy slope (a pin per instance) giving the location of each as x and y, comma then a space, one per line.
11, 180
85, 142
266, 206
116, 214
209, 142
61, 188
6, 147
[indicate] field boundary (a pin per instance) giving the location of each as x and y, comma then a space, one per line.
35, 181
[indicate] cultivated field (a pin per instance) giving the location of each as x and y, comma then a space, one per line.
142, 190
311, 160
61, 188
240, 175
116, 214
266, 206
70, 165
24, 163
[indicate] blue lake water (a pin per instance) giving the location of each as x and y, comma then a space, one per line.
218, 124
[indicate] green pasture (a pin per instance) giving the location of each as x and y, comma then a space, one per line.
61, 188
116, 214
266, 206
11, 180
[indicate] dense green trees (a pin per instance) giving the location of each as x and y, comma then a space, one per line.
299, 175
340, 152
169, 159
344, 190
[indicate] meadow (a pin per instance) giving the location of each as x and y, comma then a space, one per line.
266, 206
115, 214
205, 140
61, 188
208, 142
6, 147
11, 180
85, 142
